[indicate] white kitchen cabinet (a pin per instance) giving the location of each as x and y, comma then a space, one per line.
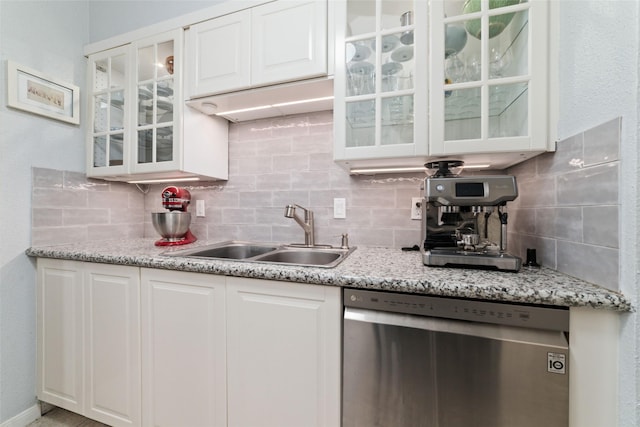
140, 127
218, 54
380, 104
184, 349
88, 340
289, 41
495, 99
108, 141
437, 87
60, 323
112, 344
276, 42
283, 356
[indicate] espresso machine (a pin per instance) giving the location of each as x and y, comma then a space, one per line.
465, 220
173, 225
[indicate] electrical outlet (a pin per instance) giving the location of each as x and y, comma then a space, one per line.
200, 207
416, 208
339, 208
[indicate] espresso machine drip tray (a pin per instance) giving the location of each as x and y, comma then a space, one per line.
451, 257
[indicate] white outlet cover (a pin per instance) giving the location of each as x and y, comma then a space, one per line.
339, 208
200, 208
416, 208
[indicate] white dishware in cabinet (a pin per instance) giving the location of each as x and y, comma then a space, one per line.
490, 95
476, 93
380, 105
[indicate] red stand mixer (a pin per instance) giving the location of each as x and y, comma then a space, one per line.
173, 226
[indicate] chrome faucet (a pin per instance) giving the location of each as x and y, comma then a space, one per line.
307, 224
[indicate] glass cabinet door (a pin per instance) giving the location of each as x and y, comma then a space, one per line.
156, 86
488, 80
109, 73
377, 89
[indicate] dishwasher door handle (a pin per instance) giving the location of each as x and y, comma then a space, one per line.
476, 329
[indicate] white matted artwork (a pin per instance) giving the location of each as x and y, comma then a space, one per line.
32, 91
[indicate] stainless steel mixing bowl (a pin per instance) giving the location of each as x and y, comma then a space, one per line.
171, 225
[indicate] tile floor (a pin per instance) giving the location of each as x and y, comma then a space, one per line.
59, 417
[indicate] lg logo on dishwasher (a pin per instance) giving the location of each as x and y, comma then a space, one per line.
556, 363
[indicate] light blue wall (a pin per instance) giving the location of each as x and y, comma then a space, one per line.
599, 66
49, 37
110, 18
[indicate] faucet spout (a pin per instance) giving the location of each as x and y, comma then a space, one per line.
306, 224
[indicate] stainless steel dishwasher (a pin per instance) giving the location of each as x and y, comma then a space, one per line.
416, 360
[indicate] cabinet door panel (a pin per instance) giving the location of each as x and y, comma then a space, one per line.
112, 344
109, 105
158, 96
284, 354
184, 349
219, 55
59, 308
289, 41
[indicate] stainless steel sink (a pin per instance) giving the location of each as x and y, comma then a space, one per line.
234, 250
316, 256
308, 256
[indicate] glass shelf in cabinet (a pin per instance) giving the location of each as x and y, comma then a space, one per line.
502, 97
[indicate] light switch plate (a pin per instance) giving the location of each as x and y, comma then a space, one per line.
339, 208
200, 208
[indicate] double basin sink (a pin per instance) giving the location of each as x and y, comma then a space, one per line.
310, 256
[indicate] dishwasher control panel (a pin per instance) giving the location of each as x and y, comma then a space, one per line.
528, 316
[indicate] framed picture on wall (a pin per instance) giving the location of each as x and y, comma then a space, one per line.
29, 90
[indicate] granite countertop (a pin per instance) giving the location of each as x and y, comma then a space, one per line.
367, 268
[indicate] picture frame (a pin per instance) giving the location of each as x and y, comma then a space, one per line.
32, 91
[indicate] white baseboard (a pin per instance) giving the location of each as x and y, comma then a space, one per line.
24, 418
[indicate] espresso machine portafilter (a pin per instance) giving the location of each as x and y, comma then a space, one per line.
465, 220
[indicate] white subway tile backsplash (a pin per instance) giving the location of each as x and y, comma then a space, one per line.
567, 207
275, 182
574, 197
595, 185
238, 216
595, 264
113, 231
602, 143
46, 217
569, 156
59, 198
601, 226
68, 207
291, 163
48, 178
59, 235
85, 216
559, 223
537, 192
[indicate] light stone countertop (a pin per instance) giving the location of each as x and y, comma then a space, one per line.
366, 268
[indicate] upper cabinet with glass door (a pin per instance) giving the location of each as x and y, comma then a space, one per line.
141, 129
157, 102
109, 104
490, 92
381, 79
